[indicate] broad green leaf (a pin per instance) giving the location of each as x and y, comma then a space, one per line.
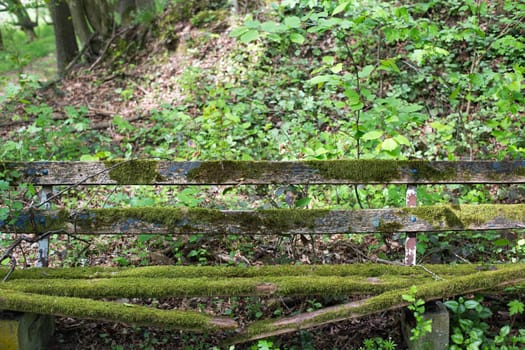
337, 68
457, 338
251, 24
365, 72
341, 7
250, 35
389, 145
297, 38
328, 60
471, 304
292, 22
452, 305
323, 79
238, 32
271, 27
372, 135
402, 140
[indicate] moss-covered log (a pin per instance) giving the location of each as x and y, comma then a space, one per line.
277, 221
112, 311
133, 287
486, 280
133, 172
350, 270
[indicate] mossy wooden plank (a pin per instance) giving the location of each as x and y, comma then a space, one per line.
131, 172
486, 280
277, 221
134, 287
340, 270
112, 311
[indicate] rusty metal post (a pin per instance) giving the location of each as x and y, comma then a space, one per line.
43, 244
410, 243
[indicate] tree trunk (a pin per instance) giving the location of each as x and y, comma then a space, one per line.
24, 21
65, 40
80, 24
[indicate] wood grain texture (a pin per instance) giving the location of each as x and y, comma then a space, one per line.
278, 221
153, 172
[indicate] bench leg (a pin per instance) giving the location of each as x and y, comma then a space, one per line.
25, 331
438, 339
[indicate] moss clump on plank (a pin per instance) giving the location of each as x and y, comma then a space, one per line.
463, 216
382, 171
112, 311
133, 172
389, 227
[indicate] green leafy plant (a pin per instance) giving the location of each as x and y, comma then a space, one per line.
378, 344
471, 331
417, 306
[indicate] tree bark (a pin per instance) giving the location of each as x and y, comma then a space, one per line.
80, 24
24, 21
65, 40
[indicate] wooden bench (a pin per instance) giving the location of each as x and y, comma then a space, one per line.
77, 292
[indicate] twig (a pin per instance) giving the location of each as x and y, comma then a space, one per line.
16, 243
433, 274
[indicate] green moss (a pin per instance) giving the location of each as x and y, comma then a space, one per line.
464, 216
136, 287
391, 299
389, 227
207, 17
437, 215
133, 172
110, 311
382, 171
352, 270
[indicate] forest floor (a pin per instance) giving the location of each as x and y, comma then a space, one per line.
132, 91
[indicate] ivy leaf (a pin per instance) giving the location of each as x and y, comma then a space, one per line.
372, 135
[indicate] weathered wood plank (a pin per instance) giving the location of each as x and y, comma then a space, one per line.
278, 221
134, 172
